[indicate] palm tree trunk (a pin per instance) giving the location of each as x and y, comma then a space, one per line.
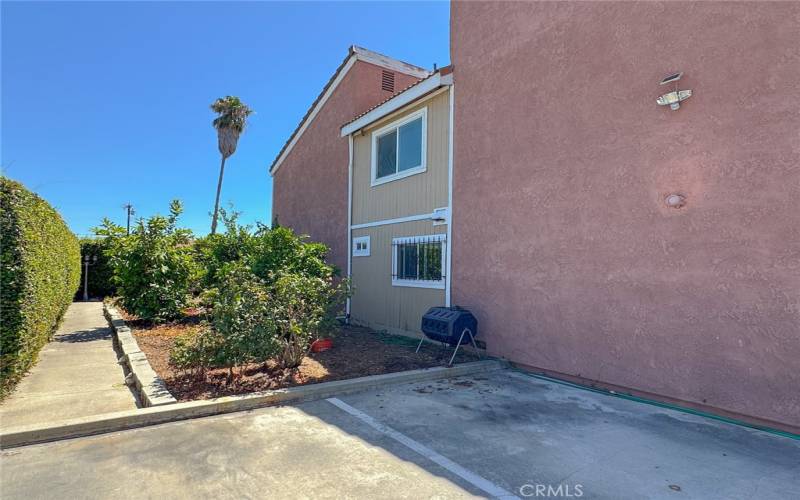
216, 202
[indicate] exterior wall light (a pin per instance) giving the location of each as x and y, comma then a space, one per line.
440, 216
674, 98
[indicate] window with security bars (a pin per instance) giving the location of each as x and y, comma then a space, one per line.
419, 261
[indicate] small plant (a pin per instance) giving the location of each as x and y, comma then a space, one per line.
198, 351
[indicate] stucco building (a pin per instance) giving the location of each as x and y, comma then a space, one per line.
564, 243
597, 236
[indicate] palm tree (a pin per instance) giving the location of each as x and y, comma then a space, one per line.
230, 124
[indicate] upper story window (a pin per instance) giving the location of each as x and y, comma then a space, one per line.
399, 149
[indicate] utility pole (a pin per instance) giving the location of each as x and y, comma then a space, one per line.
131, 211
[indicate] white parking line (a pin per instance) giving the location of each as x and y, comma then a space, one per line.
472, 478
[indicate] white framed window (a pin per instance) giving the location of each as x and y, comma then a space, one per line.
361, 246
400, 148
418, 261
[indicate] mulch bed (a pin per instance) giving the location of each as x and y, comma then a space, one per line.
356, 352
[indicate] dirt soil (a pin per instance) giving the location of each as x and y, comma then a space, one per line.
356, 352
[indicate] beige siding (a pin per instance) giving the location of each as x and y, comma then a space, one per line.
378, 304
417, 194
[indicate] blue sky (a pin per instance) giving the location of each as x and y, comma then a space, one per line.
107, 102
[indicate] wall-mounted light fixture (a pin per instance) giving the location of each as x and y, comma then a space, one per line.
674, 98
439, 216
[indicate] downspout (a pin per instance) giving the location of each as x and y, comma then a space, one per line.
349, 216
449, 267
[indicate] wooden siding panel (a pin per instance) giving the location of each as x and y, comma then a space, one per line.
378, 304
416, 194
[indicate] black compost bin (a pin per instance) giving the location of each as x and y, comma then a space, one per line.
446, 324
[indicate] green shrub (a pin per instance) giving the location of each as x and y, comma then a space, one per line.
280, 251
101, 274
153, 267
240, 314
304, 291
254, 321
303, 308
39, 273
197, 350
216, 250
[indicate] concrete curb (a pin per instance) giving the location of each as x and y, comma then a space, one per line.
149, 387
118, 421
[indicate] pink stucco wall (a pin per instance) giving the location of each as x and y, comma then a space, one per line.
563, 245
310, 187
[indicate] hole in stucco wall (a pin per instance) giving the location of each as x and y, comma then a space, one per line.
675, 200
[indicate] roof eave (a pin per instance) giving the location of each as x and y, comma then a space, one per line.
397, 102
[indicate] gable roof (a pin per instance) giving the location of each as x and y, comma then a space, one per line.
354, 54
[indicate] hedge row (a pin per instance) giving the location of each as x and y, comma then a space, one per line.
39, 273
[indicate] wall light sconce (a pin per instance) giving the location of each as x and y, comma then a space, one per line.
674, 98
440, 216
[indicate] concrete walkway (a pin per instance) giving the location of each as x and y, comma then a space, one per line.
77, 374
498, 435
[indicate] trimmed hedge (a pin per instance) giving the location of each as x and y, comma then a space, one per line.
39, 273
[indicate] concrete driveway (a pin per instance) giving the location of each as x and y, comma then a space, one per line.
498, 435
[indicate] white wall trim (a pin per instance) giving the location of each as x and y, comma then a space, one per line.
439, 285
431, 83
395, 125
449, 263
399, 220
349, 216
391, 63
394, 114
